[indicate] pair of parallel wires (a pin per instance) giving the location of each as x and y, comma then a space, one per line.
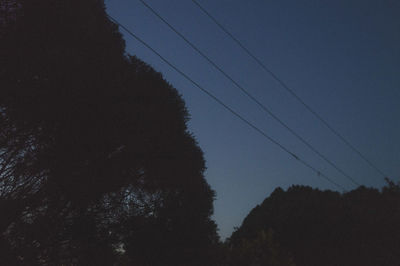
257, 102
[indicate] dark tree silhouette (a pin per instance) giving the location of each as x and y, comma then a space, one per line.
96, 161
261, 250
360, 227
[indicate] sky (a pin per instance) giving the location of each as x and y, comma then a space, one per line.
341, 57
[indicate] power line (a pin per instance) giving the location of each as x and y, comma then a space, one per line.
319, 173
291, 91
262, 106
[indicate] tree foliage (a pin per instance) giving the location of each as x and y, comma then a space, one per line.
360, 227
95, 156
262, 250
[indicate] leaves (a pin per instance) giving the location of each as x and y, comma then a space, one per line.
94, 148
359, 227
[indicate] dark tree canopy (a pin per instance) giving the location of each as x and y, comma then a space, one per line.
360, 227
96, 161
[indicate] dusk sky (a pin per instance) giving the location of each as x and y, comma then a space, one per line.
341, 57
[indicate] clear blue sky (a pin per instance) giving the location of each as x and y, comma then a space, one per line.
342, 57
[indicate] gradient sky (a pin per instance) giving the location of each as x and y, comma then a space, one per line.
341, 57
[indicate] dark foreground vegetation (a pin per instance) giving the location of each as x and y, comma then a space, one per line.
304, 226
97, 166
95, 155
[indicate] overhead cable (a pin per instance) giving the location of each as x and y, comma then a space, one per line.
220, 102
287, 88
248, 94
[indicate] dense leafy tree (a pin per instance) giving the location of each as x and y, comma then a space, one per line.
95, 155
262, 250
360, 227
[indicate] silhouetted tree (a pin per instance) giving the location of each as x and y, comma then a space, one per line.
262, 250
360, 227
95, 155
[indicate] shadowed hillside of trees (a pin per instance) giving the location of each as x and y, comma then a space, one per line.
313, 227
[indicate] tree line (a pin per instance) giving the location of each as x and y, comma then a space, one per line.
305, 226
